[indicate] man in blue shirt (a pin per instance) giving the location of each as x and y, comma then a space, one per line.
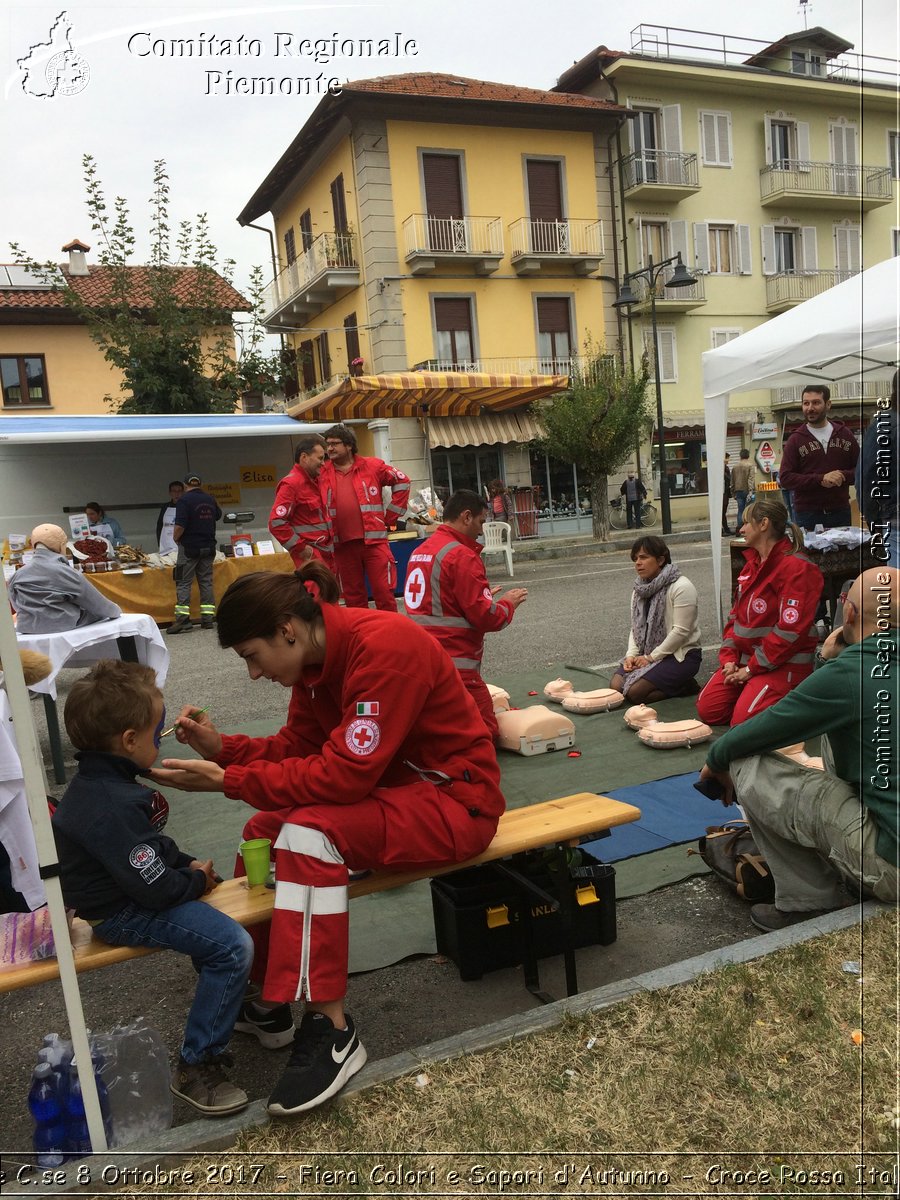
194, 533
817, 828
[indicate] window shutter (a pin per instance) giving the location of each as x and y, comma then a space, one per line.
553, 314
668, 372
339, 204
544, 190
802, 130
443, 187
847, 248
351, 337
671, 128
808, 250
708, 141
290, 247
721, 336
724, 129
307, 366
701, 247
745, 254
306, 233
678, 240
453, 315
768, 132
767, 235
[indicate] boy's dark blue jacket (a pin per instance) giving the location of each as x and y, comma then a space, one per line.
110, 851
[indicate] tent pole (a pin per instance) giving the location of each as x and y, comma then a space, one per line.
35, 792
428, 455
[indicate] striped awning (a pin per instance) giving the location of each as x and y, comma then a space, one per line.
419, 393
489, 430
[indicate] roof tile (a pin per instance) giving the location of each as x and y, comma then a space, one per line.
94, 288
458, 87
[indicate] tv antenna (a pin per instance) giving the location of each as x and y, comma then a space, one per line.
805, 7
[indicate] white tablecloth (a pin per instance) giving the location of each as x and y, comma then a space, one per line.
80, 647
16, 832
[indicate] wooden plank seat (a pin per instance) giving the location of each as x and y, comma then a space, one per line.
561, 822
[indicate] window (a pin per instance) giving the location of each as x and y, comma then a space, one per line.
468, 467
442, 177
807, 62
306, 233
307, 366
290, 247
453, 337
24, 381
554, 321
787, 143
656, 144
895, 242
323, 357
721, 249
556, 490
715, 139
351, 335
668, 362
719, 337
786, 258
783, 146
788, 249
894, 154
848, 249
654, 241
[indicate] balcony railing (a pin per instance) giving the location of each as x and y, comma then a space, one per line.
575, 240
466, 237
504, 366
313, 280
788, 288
682, 297
847, 389
660, 169
833, 183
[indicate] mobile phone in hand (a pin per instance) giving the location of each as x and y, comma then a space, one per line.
710, 788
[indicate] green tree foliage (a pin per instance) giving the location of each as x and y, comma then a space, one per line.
597, 423
161, 325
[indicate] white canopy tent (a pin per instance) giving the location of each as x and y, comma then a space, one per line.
849, 333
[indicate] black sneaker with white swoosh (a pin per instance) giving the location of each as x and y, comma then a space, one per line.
321, 1062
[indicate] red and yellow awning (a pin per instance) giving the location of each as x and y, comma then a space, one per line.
425, 393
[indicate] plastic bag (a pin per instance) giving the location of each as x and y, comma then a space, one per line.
425, 508
133, 1062
26, 937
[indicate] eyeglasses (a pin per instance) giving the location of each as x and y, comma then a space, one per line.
330, 445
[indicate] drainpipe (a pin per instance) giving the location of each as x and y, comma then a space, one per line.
271, 236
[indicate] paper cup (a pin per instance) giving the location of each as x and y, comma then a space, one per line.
255, 854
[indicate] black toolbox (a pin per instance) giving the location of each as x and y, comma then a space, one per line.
481, 914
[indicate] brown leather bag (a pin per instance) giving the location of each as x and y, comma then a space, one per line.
731, 853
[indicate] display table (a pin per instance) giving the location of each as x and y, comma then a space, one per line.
133, 637
154, 591
16, 832
836, 566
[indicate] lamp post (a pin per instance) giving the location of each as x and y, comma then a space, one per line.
681, 277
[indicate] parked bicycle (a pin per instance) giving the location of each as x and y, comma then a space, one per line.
618, 515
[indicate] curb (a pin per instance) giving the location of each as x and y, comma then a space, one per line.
200, 1137
528, 551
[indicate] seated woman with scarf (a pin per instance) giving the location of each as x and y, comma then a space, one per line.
663, 655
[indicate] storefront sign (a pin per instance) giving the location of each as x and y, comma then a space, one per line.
764, 429
224, 493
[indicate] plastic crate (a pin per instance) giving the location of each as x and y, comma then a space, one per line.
477, 919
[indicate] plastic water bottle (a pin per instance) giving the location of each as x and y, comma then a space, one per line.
46, 1107
78, 1140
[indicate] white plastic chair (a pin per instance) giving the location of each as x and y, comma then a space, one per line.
498, 540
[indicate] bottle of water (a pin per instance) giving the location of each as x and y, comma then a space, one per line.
46, 1107
78, 1140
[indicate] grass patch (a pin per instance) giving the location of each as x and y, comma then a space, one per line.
753, 1067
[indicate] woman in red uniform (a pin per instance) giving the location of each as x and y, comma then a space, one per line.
384, 761
769, 642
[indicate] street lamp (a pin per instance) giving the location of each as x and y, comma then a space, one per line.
681, 277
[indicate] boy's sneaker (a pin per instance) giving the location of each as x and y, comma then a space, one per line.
207, 1087
321, 1062
273, 1027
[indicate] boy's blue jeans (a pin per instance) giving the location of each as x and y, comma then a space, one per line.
221, 951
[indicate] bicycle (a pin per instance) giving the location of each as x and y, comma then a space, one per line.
618, 514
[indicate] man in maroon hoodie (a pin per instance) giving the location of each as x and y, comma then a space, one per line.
819, 463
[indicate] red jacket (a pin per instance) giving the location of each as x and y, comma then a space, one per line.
370, 475
385, 706
447, 593
804, 462
772, 622
298, 518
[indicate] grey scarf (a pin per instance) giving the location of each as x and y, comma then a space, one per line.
648, 614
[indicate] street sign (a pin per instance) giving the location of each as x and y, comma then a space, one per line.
765, 457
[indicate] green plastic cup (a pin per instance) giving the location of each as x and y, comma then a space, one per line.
256, 854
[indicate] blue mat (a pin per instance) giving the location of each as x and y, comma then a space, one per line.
672, 812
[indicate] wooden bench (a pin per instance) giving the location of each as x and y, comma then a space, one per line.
561, 823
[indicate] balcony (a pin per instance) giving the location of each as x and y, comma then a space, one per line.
794, 183
789, 288
503, 366
659, 175
669, 300
575, 243
853, 390
431, 240
321, 275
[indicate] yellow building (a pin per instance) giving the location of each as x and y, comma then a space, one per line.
773, 170
435, 221
49, 363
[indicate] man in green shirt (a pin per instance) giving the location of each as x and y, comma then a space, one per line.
816, 828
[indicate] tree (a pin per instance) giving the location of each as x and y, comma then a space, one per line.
596, 424
167, 325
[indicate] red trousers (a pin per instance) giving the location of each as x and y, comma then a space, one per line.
477, 689
358, 559
302, 953
721, 703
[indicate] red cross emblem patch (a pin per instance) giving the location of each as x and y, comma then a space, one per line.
362, 736
414, 592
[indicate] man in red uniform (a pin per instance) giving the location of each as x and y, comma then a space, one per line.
298, 518
447, 593
351, 486
819, 464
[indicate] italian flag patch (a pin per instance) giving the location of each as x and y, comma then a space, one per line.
367, 708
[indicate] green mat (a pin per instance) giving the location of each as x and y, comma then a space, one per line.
390, 926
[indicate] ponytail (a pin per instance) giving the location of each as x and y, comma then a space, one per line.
253, 605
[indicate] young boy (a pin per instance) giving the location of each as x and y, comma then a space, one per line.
132, 883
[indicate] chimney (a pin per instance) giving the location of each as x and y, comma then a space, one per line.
76, 251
